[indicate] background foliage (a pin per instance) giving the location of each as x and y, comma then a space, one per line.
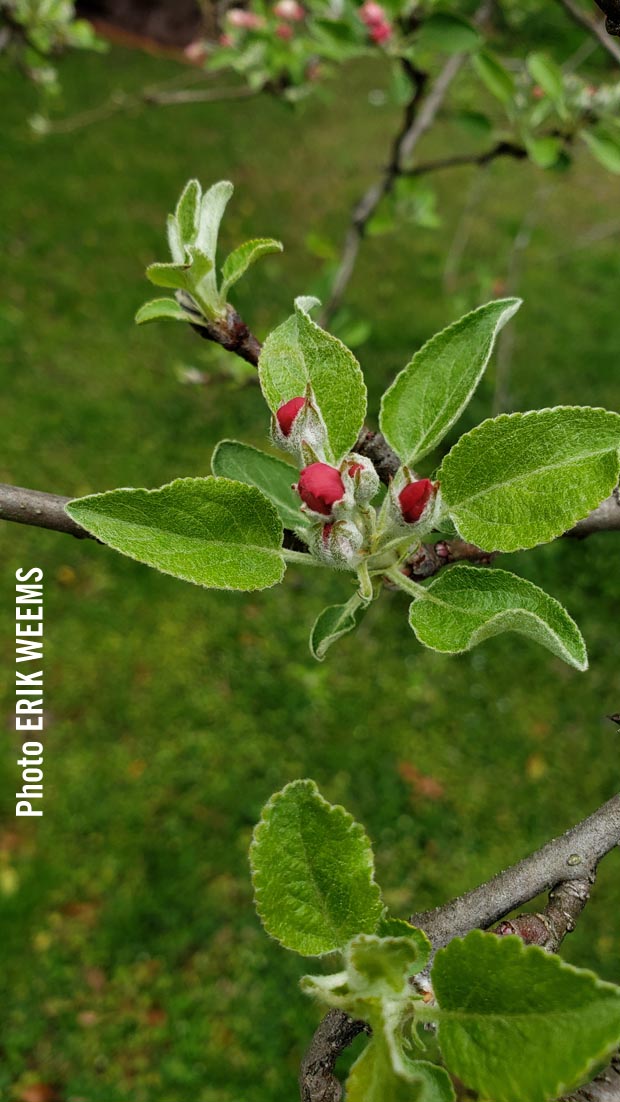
132, 964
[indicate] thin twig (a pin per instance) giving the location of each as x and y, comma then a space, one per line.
500, 149
611, 9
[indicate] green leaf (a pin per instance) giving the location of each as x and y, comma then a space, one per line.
313, 872
428, 396
211, 531
373, 1079
525, 478
605, 147
212, 209
381, 966
464, 606
334, 622
270, 474
447, 33
495, 76
517, 1023
548, 75
169, 275
299, 353
544, 152
161, 308
187, 212
238, 262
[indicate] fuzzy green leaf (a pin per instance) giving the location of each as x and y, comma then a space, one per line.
211, 531
161, 308
428, 396
186, 214
299, 353
381, 966
211, 212
545, 151
334, 622
270, 474
464, 606
374, 1079
517, 1023
175, 276
313, 872
238, 262
525, 478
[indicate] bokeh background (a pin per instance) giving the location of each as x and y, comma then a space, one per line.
132, 966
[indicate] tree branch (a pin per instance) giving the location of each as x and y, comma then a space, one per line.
567, 865
612, 10
500, 149
317, 1082
40, 509
573, 856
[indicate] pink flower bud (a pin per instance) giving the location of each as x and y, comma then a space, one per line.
225, 40
289, 10
372, 13
287, 413
246, 20
195, 51
414, 499
537, 92
320, 487
380, 33
354, 468
284, 31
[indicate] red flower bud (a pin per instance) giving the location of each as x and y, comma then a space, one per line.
287, 414
284, 31
320, 487
414, 498
380, 33
354, 468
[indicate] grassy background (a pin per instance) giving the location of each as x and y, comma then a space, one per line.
131, 964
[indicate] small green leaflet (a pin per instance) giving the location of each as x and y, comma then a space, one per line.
299, 353
605, 146
313, 872
525, 478
495, 76
380, 967
429, 395
447, 33
464, 606
211, 531
334, 622
238, 262
374, 1079
548, 75
162, 308
270, 474
516, 1023
187, 212
212, 207
544, 152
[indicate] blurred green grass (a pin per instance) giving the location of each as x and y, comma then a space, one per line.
132, 966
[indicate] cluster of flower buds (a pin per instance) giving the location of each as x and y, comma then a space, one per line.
244, 20
374, 17
333, 497
289, 10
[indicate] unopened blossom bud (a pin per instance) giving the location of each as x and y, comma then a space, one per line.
287, 413
245, 20
339, 544
289, 10
284, 31
364, 477
380, 33
414, 498
372, 13
320, 487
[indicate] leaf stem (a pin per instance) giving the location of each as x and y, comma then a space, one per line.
403, 582
301, 557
